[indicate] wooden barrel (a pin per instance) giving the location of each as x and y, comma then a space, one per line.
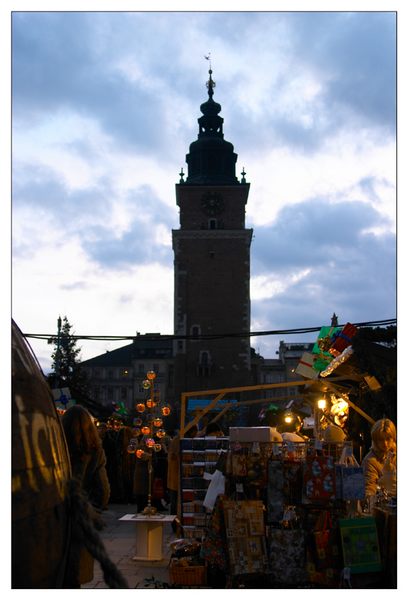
40, 472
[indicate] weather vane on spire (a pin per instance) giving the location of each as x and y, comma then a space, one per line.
210, 83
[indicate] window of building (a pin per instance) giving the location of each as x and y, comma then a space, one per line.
212, 223
204, 364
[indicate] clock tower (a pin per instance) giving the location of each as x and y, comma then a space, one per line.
211, 263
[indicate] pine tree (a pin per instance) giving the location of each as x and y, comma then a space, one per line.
66, 369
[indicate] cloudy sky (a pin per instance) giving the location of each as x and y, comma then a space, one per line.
105, 105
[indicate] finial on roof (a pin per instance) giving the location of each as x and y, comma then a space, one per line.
334, 320
181, 176
243, 180
210, 83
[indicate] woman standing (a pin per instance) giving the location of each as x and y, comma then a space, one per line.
88, 468
381, 454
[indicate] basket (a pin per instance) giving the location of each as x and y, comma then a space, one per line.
188, 575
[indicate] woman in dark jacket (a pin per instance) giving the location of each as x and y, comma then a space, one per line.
88, 468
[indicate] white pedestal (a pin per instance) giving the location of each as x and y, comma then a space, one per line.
149, 534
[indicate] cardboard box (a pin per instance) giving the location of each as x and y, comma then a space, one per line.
250, 434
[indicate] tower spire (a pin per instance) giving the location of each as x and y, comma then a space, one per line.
210, 83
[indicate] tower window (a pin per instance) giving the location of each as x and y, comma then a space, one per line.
195, 330
204, 364
212, 254
212, 223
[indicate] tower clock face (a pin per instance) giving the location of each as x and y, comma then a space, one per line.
212, 204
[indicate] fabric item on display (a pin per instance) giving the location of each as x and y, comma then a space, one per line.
216, 487
292, 482
360, 545
213, 546
319, 478
325, 543
275, 493
286, 555
245, 532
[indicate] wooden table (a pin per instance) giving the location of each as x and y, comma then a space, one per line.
149, 534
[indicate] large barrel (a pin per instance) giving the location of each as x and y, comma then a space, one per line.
40, 473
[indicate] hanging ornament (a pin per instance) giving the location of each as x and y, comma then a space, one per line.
145, 430
146, 384
151, 375
150, 442
157, 447
140, 407
140, 453
157, 422
137, 422
150, 403
166, 410
136, 431
160, 433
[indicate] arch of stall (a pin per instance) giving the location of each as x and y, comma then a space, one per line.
333, 384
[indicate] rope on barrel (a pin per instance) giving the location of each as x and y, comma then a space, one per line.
86, 520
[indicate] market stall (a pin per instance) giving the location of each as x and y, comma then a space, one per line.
290, 514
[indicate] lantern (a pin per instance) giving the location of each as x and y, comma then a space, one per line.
137, 422
140, 407
157, 447
150, 403
136, 431
160, 433
146, 384
158, 422
165, 410
151, 375
140, 453
145, 430
150, 442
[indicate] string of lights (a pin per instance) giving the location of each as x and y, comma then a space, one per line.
155, 336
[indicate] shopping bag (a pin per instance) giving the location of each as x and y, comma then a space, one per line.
325, 543
287, 555
349, 477
319, 478
359, 540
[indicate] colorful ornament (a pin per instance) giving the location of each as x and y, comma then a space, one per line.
158, 422
145, 430
140, 407
166, 410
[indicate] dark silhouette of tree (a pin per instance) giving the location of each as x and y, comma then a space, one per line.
66, 368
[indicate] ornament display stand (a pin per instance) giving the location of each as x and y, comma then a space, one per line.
149, 535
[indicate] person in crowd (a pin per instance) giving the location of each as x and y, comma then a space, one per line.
382, 454
213, 430
272, 420
88, 468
